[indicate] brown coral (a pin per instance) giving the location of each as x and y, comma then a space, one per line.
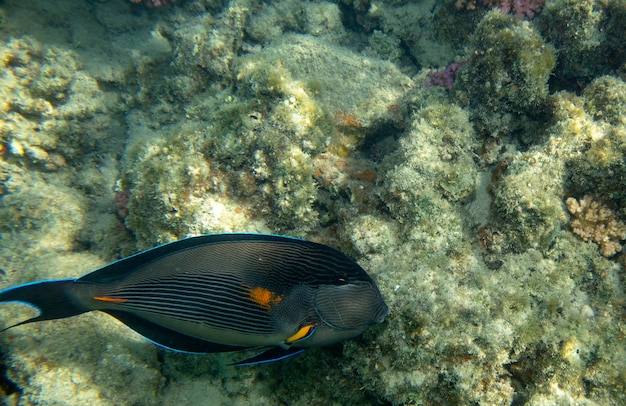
593, 221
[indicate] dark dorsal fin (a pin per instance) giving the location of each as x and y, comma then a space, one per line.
122, 267
284, 261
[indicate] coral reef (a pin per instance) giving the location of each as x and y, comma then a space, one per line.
593, 221
125, 127
48, 103
320, 19
257, 145
588, 36
506, 78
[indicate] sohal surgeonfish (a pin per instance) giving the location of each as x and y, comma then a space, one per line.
222, 292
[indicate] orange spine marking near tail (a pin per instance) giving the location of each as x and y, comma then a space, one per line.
109, 299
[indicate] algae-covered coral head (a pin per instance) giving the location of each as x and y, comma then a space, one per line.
510, 66
223, 292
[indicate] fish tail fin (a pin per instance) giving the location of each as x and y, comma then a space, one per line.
50, 298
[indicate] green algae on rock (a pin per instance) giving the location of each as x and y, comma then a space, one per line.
598, 118
295, 99
605, 99
580, 155
412, 23
589, 37
59, 133
527, 204
48, 104
506, 78
319, 19
440, 148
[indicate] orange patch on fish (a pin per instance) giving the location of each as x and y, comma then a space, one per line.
263, 297
109, 299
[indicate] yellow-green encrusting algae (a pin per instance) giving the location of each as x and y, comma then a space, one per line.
126, 127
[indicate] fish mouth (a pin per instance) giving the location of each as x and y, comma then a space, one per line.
382, 312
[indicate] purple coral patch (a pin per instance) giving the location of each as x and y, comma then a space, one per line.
444, 78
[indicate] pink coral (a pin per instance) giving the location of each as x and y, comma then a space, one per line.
153, 3
521, 8
444, 78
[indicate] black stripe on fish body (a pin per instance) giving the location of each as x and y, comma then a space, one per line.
220, 301
227, 313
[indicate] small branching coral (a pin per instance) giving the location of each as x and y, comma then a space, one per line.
593, 221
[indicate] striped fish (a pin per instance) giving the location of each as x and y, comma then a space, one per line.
222, 292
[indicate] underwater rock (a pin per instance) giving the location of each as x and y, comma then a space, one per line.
588, 36
507, 75
294, 99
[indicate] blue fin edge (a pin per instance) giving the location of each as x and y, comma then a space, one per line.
270, 355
